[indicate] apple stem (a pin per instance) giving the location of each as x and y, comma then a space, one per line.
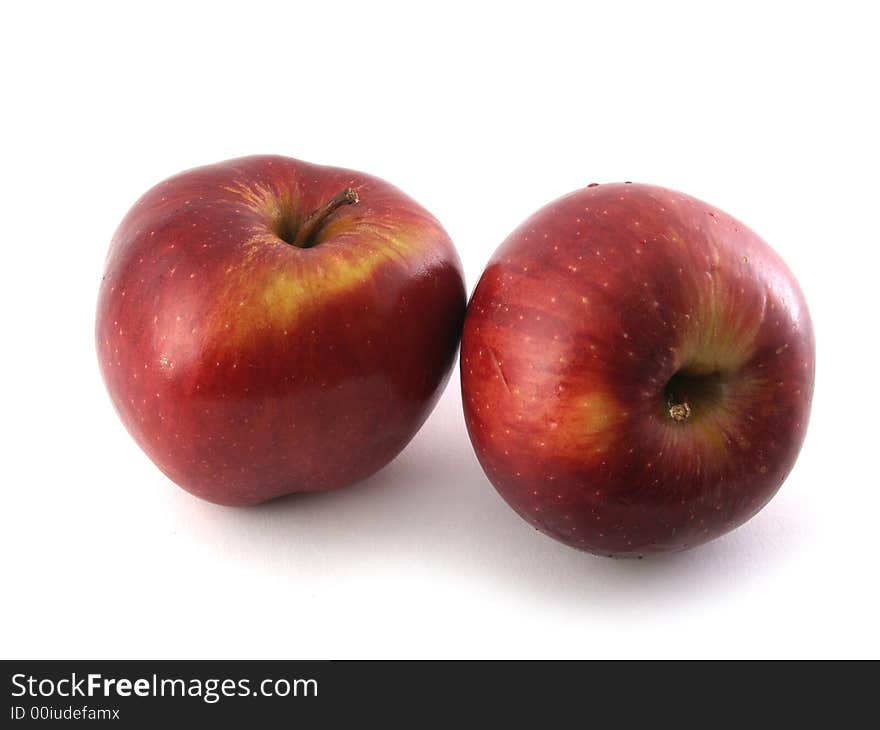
306, 233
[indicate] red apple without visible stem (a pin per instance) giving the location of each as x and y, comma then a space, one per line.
637, 370
267, 326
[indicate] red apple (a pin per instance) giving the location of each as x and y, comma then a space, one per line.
267, 326
637, 369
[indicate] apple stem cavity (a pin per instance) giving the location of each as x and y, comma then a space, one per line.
305, 236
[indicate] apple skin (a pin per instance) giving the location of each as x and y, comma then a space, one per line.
248, 368
637, 370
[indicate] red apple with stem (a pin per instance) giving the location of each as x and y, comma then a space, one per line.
268, 326
637, 370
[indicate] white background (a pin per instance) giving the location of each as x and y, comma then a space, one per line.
483, 114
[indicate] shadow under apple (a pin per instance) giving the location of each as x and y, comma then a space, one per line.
433, 510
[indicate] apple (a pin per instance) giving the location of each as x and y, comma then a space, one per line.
268, 326
637, 369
